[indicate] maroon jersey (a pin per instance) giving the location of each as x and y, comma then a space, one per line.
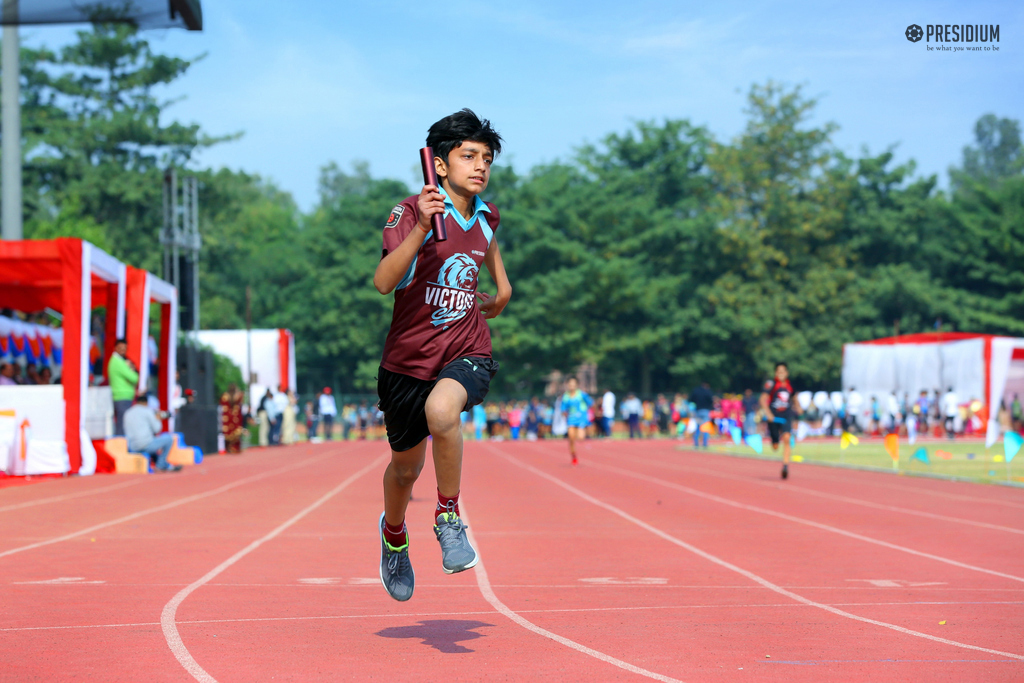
436, 318
780, 398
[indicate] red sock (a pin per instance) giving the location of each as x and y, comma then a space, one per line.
397, 537
442, 503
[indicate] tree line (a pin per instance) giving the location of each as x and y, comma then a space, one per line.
662, 254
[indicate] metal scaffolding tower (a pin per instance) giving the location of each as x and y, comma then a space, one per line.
182, 243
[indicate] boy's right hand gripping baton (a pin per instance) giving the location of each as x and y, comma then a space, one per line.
430, 178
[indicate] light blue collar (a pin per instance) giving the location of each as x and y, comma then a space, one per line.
479, 206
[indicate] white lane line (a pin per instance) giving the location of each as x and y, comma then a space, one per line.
806, 522
160, 508
393, 615
534, 586
484, 584
167, 616
70, 496
822, 494
743, 572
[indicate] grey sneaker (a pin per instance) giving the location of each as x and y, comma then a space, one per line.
457, 554
395, 569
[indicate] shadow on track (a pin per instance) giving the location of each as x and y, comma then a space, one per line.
444, 635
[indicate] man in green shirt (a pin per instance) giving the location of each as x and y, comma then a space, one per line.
124, 382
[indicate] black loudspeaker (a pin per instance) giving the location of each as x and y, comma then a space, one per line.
196, 372
186, 294
200, 426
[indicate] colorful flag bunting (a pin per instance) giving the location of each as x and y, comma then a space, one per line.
892, 446
1012, 442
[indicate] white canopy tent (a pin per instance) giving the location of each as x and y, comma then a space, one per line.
977, 366
266, 357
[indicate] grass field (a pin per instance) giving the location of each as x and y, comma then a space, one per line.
969, 459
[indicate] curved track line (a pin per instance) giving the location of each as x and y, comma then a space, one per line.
820, 494
159, 508
170, 610
69, 496
743, 572
806, 522
484, 584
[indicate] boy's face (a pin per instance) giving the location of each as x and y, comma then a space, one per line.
782, 373
468, 169
571, 385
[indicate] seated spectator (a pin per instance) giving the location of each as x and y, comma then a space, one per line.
142, 427
32, 374
45, 376
7, 374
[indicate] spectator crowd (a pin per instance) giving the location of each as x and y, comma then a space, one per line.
695, 415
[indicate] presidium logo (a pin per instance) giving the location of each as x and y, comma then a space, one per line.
967, 36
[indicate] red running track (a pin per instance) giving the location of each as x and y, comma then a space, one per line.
643, 563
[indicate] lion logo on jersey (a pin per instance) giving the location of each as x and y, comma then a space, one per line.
453, 293
459, 271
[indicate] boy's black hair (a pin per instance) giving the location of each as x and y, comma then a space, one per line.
781, 364
452, 131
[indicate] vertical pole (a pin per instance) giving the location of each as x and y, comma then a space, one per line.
176, 232
195, 253
10, 120
248, 340
167, 234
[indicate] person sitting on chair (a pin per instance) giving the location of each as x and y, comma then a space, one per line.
142, 427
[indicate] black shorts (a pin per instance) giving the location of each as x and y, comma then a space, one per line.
777, 429
403, 399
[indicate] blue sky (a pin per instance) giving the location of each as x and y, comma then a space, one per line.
348, 81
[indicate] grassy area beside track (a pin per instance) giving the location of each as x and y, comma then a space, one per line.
969, 458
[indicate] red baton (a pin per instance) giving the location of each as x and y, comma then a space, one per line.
430, 178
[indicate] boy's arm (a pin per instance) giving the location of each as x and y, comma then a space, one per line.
393, 267
764, 406
491, 306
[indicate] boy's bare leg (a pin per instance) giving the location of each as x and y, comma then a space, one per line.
785, 448
444, 407
399, 478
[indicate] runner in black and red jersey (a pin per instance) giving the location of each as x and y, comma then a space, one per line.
437, 358
781, 408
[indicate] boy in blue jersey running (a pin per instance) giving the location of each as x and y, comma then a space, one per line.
575, 404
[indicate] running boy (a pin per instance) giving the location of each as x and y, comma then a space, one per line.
575, 404
437, 357
781, 410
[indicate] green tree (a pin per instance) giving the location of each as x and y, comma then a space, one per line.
94, 142
600, 255
997, 152
251, 232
